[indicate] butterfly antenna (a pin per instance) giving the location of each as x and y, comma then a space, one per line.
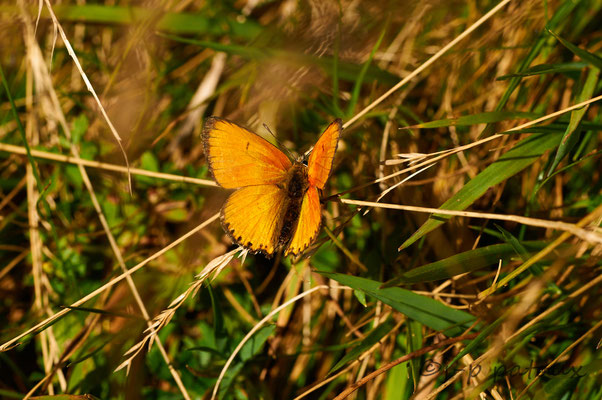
279, 143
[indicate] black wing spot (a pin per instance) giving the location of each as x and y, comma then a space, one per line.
249, 244
247, 148
239, 238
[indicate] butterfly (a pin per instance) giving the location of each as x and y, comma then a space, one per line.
276, 204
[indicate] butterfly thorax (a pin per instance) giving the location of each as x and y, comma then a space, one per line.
298, 181
296, 184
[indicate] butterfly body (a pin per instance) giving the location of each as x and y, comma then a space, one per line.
296, 187
276, 204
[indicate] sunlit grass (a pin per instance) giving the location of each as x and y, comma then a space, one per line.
498, 293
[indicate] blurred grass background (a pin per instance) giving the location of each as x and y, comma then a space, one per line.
160, 67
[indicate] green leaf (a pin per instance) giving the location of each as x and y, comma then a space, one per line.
80, 126
423, 309
462, 263
524, 153
370, 340
475, 119
149, 162
176, 214
585, 55
361, 297
255, 344
326, 258
73, 176
397, 382
207, 349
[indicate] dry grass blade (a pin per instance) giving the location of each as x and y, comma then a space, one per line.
44, 155
44, 84
14, 341
496, 106
198, 103
213, 268
427, 63
349, 391
404, 180
566, 351
584, 234
593, 236
90, 88
255, 329
480, 142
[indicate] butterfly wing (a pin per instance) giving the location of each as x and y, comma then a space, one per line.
238, 157
308, 225
321, 158
252, 216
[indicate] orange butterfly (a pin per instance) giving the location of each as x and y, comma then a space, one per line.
276, 204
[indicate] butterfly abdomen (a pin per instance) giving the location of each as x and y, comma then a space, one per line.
297, 185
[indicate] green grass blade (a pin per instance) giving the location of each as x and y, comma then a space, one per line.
543, 69
219, 330
481, 118
370, 340
335, 70
571, 135
21, 129
355, 94
34, 169
526, 152
473, 344
585, 55
104, 312
9, 394
346, 70
415, 342
468, 261
557, 19
180, 23
423, 309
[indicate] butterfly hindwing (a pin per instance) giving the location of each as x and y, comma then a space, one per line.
322, 156
308, 225
252, 216
238, 157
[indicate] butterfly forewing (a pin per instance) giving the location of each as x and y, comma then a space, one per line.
238, 157
322, 156
253, 217
308, 224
